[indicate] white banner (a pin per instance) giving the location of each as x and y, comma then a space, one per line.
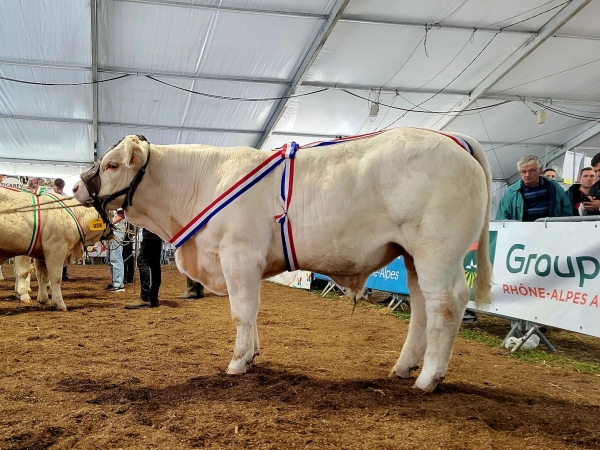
548, 273
298, 279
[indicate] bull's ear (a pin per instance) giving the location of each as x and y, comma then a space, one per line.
134, 155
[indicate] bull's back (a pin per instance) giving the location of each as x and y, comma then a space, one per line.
366, 193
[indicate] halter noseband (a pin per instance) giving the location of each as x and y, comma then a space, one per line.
91, 180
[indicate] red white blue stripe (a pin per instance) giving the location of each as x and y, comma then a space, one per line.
457, 140
287, 183
285, 153
226, 198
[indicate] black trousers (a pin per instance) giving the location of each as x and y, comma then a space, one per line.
128, 260
148, 261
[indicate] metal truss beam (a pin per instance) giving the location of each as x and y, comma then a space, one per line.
309, 57
548, 30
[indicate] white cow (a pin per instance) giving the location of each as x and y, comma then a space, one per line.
57, 244
356, 206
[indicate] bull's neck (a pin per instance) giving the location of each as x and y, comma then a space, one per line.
175, 187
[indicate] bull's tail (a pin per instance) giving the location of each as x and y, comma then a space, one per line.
483, 280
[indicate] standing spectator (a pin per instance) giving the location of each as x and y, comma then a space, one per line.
58, 187
592, 207
128, 256
115, 254
534, 197
580, 191
550, 173
149, 266
194, 289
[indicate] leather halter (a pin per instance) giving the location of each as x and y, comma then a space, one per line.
91, 180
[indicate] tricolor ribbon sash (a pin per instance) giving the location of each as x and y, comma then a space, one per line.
35, 235
70, 212
285, 153
226, 198
287, 182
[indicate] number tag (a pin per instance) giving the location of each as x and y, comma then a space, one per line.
97, 225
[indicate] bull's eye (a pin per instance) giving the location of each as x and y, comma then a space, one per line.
112, 165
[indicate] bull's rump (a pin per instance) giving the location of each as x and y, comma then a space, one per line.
352, 200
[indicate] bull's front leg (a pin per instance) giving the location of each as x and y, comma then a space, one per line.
22, 267
54, 264
242, 269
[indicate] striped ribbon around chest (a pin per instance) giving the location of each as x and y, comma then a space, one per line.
35, 201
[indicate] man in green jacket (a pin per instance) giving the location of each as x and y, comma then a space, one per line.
534, 197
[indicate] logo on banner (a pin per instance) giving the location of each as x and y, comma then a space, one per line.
470, 262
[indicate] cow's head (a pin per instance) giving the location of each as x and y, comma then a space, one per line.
112, 180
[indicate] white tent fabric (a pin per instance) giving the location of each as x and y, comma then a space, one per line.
483, 68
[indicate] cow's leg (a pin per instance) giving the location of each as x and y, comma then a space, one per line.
242, 269
22, 267
446, 295
1, 276
416, 341
54, 264
42, 276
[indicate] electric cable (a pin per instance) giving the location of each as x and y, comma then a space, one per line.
520, 14
490, 141
14, 80
548, 76
239, 99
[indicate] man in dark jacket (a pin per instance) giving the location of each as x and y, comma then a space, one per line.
592, 208
534, 197
148, 261
580, 191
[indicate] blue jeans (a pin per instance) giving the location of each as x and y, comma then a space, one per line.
115, 259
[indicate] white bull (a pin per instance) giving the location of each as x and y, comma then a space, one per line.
356, 206
58, 243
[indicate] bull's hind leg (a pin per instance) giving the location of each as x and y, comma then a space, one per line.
42, 276
54, 263
242, 269
416, 341
446, 295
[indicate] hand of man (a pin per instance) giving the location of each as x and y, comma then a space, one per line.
591, 205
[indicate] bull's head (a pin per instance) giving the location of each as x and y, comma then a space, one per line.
112, 180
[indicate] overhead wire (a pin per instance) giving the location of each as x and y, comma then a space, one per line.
239, 99
520, 14
490, 141
14, 80
548, 76
566, 114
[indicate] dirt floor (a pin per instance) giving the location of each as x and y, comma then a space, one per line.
100, 376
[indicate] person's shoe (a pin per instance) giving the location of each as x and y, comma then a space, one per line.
154, 303
116, 289
469, 317
109, 287
65, 278
138, 304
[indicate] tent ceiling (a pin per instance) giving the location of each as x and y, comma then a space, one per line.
378, 51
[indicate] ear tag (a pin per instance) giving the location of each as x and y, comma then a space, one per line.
97, 225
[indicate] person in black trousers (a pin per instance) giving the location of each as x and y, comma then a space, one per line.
128, 256
148, 262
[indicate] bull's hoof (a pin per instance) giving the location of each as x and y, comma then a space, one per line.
231, 371
61, 307
428, 386
25, 299
402, 373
